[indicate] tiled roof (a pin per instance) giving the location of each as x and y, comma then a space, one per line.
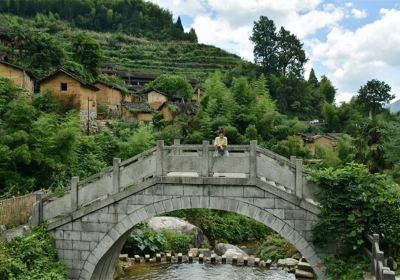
137, 106
17, 67
73, 76
110, 84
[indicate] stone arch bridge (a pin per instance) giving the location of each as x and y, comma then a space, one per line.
91, 221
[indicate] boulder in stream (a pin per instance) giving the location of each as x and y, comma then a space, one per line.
176, 224
229, 250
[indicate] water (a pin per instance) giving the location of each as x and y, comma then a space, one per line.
202, 271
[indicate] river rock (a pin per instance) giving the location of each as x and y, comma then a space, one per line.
176, 224
304, 266
288, 262
304, 274
229, 250
205, 252
194, 252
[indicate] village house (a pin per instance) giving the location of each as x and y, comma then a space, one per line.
110, 97
18, 75
140, 111
66, 84
329, 140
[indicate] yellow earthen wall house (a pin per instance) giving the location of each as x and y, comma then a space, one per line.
17, 75
156, 99
64, 84
167, 115
109, 95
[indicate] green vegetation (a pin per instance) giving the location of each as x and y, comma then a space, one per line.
31, 257
43, 146
147, 241
135, 17
221, 226
274, 247
355, 202
44, 42
173, 85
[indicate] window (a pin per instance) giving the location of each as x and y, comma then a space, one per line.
64, 87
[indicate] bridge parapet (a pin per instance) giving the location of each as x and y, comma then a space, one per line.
248, 162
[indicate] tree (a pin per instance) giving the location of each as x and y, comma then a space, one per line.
173, 85
374, 95
278, 53
192, 36
291, 56
88, 53
327, 90
264, 38
312, 79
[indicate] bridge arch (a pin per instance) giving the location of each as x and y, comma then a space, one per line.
101, 261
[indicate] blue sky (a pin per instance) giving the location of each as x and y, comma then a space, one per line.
351, 42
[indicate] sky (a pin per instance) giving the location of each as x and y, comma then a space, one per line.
351, 42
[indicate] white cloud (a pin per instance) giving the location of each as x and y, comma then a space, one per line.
371, 51
183, 7
359, 14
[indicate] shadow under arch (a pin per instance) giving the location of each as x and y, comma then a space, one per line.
101, 261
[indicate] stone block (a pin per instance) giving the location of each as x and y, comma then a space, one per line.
72, 235
304, 225
159, 207
186, 202
177, 203
283, 204
193, 190
195, 201
80, 245
155, 190
217, 203
150, 210
68, 254
175, 190
132, 208
236, 191
215, 190
279, 213
264, 202
168, 205
232, 205
295, 214
253, 192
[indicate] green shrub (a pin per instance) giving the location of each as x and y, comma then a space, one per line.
221, 226
274, 247
351, 268
177, 242
144, 240
31, 257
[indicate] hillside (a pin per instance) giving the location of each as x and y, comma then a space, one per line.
121, 52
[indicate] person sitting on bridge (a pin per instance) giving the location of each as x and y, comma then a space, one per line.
221, 143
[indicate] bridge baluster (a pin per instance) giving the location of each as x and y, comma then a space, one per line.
299, 178
74, 193
160, 158
253, 160
116, 175
205, 168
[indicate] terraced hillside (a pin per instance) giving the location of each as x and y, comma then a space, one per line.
122, 52
126, 53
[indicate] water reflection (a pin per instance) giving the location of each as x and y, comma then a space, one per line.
197, 271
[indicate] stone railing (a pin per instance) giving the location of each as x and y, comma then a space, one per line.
378, 270
244, 161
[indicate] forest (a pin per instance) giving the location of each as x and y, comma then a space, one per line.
42, 145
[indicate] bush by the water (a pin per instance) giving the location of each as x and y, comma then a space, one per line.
274, 247
222, 226
145, 240
31, 257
